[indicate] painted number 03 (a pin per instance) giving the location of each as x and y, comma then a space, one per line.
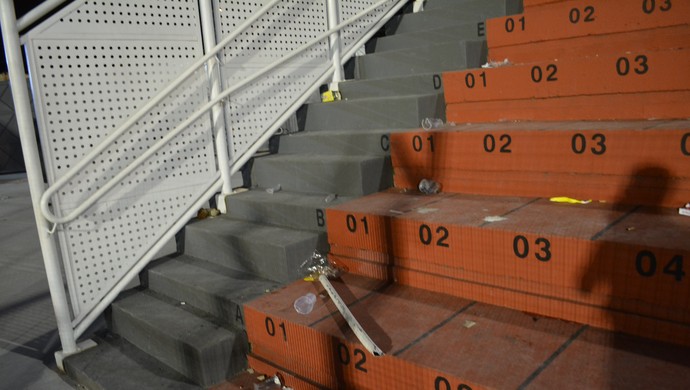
442, 383
522, 250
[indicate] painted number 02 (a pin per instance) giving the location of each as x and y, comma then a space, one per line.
345, 358
426, 236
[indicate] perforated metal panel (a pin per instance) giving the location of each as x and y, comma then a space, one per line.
349, 8
286, 27
92, 66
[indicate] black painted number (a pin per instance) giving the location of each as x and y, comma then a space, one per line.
685, 144
650, 6
320, 218
426, 236
623, 65
385, 142
442, 383
510, 24
345, 358
271, 327
471, 80
351, 222
418, 143
550, 72
579, 144
646, 265
586, 15
490, 143
522, 250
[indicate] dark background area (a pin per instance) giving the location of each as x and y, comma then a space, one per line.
21, 7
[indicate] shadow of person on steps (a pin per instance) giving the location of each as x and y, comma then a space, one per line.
637, 292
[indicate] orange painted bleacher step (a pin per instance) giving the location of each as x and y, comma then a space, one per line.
581, 18
431, 341
667, 38
540, 248
638, 106
637, 71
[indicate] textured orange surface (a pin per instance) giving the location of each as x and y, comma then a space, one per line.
675, 37
597, 254
592, 17
634, 106
636, 71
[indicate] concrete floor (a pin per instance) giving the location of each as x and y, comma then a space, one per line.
28, 333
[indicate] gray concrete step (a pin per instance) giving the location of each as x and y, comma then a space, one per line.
115, 364
447, 4
216, 290
318, 174
456, 32
469, 11
393, 112
346, 142
419, 84
198, 349
270, 252
283, 208
436, 58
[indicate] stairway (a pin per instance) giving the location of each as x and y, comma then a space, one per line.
554, 255
186, 326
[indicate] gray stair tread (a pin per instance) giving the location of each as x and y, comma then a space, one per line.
291, 198
412, 85
391, 112
445, 4
250, 231
173, 321
211, 288
476, 10
118, 365
371, 142
456, 32
435, 58
201, 350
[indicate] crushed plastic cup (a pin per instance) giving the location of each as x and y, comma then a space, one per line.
432, 123
274, 189
305, 303
429, 187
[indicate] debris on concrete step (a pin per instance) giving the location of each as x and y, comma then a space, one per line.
274, 189
429, 187
565, 199
494, 218
496, 64
319, 265
685, 210
207, 213
432, 123
330, 198
330, 96
305, 303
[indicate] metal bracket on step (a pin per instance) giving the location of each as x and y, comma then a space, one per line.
418, 6
81, 347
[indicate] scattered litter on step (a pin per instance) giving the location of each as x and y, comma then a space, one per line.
319, 265
468, 324
396, 212
274, 189
330, 96
685, 210
494, 218
429, 187
565, 199
271, 383
630, 228
426, 210
496, 64
305, 303
207, 213
214, 213
432, 123
183, 303
330, 198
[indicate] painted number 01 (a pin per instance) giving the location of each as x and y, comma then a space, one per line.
271, 328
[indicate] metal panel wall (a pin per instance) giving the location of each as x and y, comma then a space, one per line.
92, 65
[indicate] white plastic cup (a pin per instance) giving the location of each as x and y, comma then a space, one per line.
305, 304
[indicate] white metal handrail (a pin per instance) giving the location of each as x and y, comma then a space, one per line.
93, 198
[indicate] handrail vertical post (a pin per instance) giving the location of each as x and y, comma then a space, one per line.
335, 46
218, 122
22, 107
